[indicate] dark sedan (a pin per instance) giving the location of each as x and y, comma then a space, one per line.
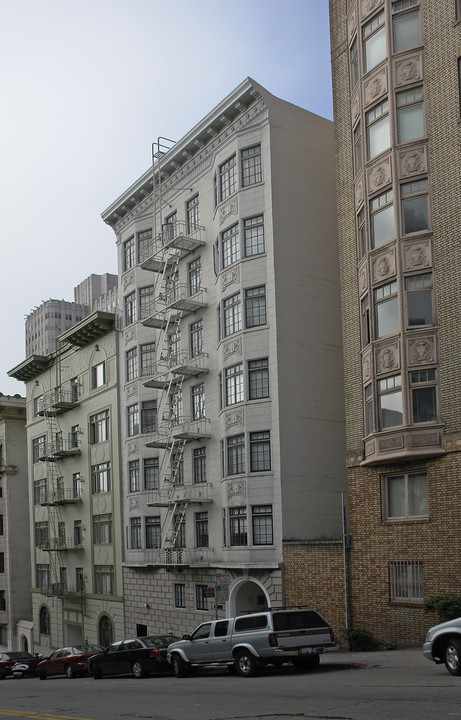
139, 656
71, 661
9, 658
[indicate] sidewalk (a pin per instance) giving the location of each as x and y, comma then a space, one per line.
409, 657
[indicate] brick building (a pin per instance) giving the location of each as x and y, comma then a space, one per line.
396, 85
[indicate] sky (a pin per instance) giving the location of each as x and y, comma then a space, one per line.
87, 86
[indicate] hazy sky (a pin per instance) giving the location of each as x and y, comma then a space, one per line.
87, 86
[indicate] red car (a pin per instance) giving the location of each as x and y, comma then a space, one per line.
70, 661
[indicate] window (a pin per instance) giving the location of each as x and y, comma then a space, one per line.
38, 448
260, 451
387, 309
201, 529
415, 206
98, 375
196, 338
358, 147
233, 378
230, 246
423, 396
132, 364
261, 516
179, 595
146, 302
1, 525
198, 401
236, 454
128, 249
44, 618
151, 473
406, 582
77, 485
419, 299
106, 631
192, 214
177, 468
238, 526
255, 306
153, 531
2, 562
382, 219
195, 276
369, 415
147, 353
410, 116
102, 529
354, 63
78, 533
132, 420
135, 533
406, 25
144, 245
100, 478
104, 579
227, 178
148, 416
201, 600
41, 534
199, 465
374, 41
258, 379
253, 235
179, 525
365, 320
174, 348
130, 308
79, 580
39, 405
390, 402
99, 427
405, 496
250, 159
40, 494
378, 129
169, 227
232, 312
134, 484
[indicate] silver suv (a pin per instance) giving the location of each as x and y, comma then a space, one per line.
443, 645
250, 641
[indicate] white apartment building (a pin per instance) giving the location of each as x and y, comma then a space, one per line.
74, 489
231, 388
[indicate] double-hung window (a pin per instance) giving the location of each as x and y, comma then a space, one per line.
144, 245
260, 451
147, 352
261, 518
405, 22
419, 299
378, 132
151, 473
410, 114
153, 531
423, 396
196, 338
130, 308
227, 178
390, 402
198, 401
179, 525
415, 207
405, 496
195, 276
134, 484
135, 533
374, 41
258, 379
238, 532
38, 448
132, 420
128, 254
250, 159
255, 306
232, 314
100, 478
230, 246
179, 595
148, 416
104, 579
382, 219
192, 214
99, 427
354, 63
253, 235
387, 309
201, 600
199, 465
146, 301
233, 377
236, 454
132, 364
102, 529
201, 529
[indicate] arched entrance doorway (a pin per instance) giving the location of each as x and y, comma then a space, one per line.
106, 631
247, 595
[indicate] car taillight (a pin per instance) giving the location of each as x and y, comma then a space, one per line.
273, 640
154, 652
332, 635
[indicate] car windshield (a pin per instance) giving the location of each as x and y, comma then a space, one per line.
17, 656
161, 641
80, 649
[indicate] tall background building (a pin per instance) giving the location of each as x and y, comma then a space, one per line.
396, 83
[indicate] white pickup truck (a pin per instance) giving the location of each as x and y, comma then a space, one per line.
247, 642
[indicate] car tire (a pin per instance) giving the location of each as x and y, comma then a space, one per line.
179, 666
138, 670
245, 664
452, 656
96, 672
306, 664
70, 672
42, 674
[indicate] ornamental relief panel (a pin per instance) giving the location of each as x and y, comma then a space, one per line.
134, 503
132, 448
383, 265
352, 22
230, 277
236, 487
230, 208
421, 350
129, 336
425, 439
359, 192
370, 448
413, 161
417, 255
234, 418
391, 443
408, 70
363, 278
234, 347
132, 391
355, 106
375, 86
367, 366
369, 5
380, 175
128, 280
387, 358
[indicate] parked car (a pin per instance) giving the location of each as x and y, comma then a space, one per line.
443, 645
140, 656
244, 643
27, 667
9, 659
71, 661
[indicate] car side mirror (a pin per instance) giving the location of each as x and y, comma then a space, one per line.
186, 637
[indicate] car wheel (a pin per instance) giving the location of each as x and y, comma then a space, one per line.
245, 664
70, 672
306, 664
42, 674
138, 670
179, 666
452, 656
96, 672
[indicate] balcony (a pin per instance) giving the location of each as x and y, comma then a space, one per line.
189, 365
171, 557
59, 401
64, 496
170, 432
61, 544
404, 444
171, 305
60, 449
173, 243
198, 493
62, 590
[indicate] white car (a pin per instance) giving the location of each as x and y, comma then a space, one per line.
443, 645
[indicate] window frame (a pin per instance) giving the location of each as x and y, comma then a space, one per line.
153, 482
410, 192
129, 305
258, 377
406, 101
413, 582
227, 178
386, 295
134, 476
232, 314
234, 391
375, 119
128, 254
420, 381
98, 375
380, 206
99, 427
253, 236
153, 531
402, 10
373, 30
131, 364
255, 307
262, 532
192, 214
101, 481
388, 386
199, 465
201, 601
407, 515
251, 172
202, 537
230, 246
235, 454
238, 526
412, 288
260, 451
135, 528
179, 596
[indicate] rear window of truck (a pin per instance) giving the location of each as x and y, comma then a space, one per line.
298, 620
